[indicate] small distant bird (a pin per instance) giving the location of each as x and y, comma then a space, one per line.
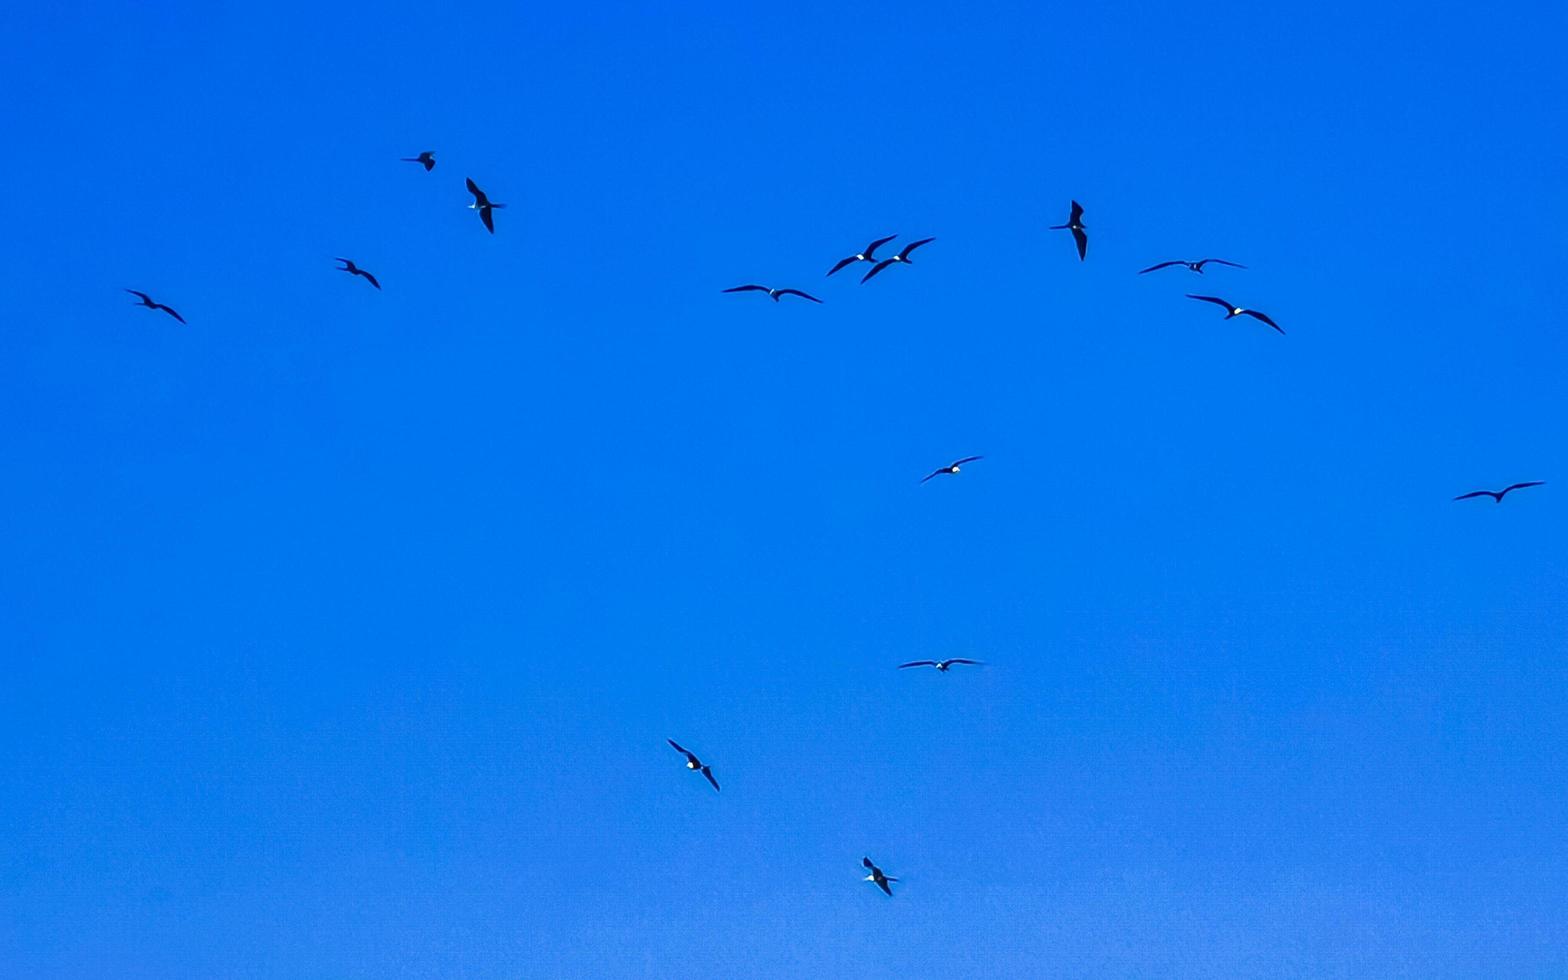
426, 158
900, 257
951, 468
1194, 266
1076, 226
147, 301
877, 876
1231, 310
941, 665
773, 294
693, 763
1498, 495
869, 255
354, 270
483, 205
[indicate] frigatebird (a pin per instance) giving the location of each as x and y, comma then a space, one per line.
483, 205
693, 763
1076, 226
1194, 266
876, 876
354, 270
773, 294
941, 665
147, 301
951, 468
1232, 310
900, 257
1498, 495
869, 255
426, 158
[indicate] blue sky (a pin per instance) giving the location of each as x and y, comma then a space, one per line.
344, 629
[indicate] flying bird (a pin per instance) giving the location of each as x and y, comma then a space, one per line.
354, 270
1498, 495
869, 255
773, 294
900, 257
1076, 226
1232, 310
426, 158
951, 468
877, 876
483, 205
147, 301
941, 665
1194, 266
693, 763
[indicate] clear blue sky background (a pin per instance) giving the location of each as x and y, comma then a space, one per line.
342, 630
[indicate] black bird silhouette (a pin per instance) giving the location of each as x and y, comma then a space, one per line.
900, 257
941, 665
426, 158
1232, 310
869, 255
1076, 226
147, 301
1498, 495
483, 205
877, 876
693, 763
354, 270
951, 468
773, 294
1194, 266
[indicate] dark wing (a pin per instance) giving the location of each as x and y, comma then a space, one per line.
748, 287
868, 864
961, 660
677, 747
1162, 265
1234, 265
875, 269
796, 292
914, 245
371, 278
1083, 242
871, 249
1521, 486
479, 195
935, 473
169, 310
1475, 493
138, 293
841, 264
706, 771
882, 884
918, 663
487, 215
1213, 299
1264, 317
966, 459
1077, 213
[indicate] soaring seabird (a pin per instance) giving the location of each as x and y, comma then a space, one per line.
147, 301
900, 257
1076, 226
426, 158
1231, 310
877, 876
773, 294
483, 205
354, 270
951, 468
869, 255
941, 665
1498, 495
1194, 266
693, 763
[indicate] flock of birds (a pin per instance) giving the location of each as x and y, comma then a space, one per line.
1074, 224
